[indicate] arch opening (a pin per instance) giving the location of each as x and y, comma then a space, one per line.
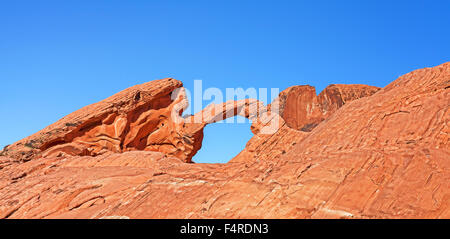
223, 140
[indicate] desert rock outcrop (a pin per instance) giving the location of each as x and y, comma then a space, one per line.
365, 153
145, 117
120, 123
301, 110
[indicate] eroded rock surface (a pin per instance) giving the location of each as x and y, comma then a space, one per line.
120, 123
146, 117
301, 110
381, 156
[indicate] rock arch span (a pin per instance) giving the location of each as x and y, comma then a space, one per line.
148, 117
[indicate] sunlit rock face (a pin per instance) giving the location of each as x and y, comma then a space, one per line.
353, 151
303, 110
146, 117
120, 123
300, 111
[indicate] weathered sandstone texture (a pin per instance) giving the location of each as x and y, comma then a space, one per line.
301, 110
353, 151
145, 117
120, 123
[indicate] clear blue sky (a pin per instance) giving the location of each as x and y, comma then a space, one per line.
58, 56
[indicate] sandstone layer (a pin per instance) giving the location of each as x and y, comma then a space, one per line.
145, 117
300, 111
353, 151
303, 110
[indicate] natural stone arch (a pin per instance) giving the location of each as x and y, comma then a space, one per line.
146, 117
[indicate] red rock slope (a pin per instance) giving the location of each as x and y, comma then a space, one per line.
381, 156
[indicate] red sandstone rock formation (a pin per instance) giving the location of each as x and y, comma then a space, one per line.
120, 123
303, 110
146, 117
381, 156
